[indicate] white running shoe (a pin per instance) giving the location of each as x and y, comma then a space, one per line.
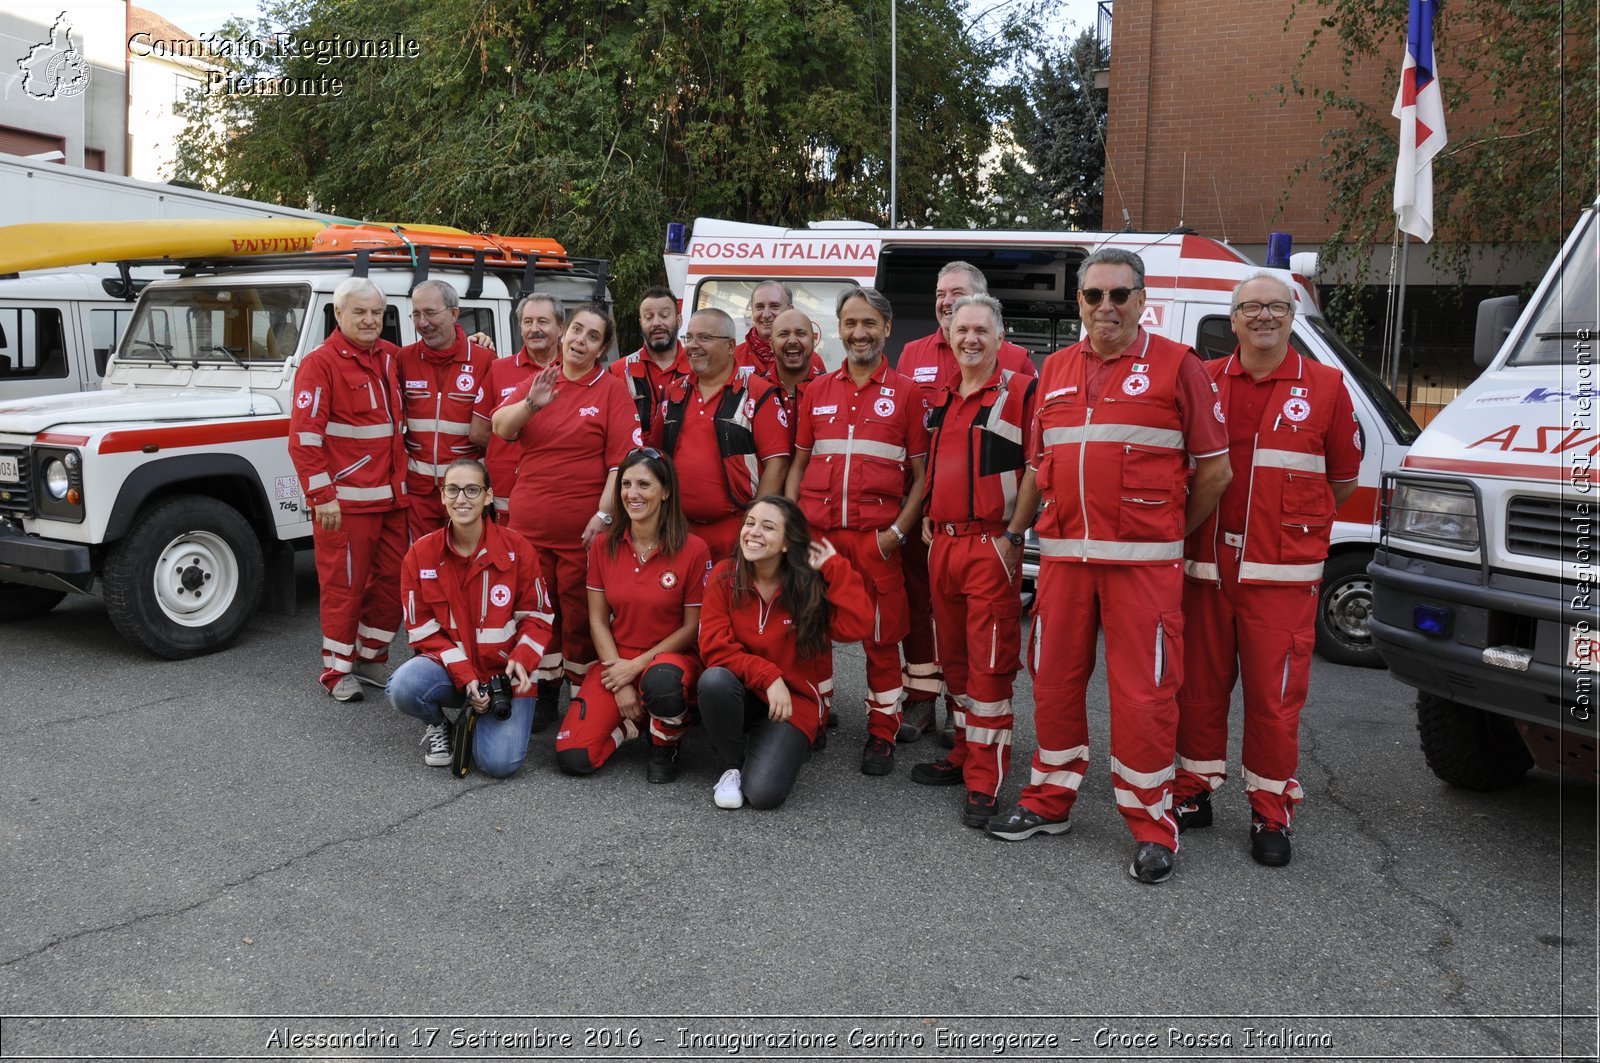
436, 739
729, 793
348, 688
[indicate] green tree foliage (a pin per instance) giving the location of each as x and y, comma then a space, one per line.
598, 124
1519, 93
1060, 122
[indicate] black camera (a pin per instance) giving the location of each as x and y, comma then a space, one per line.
500, 696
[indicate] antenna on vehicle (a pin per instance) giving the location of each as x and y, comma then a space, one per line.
1183, 188
1222, 219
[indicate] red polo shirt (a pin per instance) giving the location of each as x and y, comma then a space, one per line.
647, 599
568, 448
499, 381
702, 476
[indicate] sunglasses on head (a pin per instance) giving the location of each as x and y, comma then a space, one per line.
649, 452
1119, 296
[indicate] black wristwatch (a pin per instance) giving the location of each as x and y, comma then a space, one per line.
1015, 538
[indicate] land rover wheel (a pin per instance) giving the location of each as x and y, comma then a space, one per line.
1468, 747
21, 602
1343, 611
185, 579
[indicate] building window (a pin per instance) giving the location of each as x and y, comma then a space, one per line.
94, 159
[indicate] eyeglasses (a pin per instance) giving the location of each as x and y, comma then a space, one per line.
1119, 296
454, 491
1252, 308
705, 337
431, 315
649, 452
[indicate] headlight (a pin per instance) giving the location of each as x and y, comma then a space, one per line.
56, 479
1437, 514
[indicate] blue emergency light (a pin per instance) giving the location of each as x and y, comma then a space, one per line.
677, 238
1431, 619
1279, 247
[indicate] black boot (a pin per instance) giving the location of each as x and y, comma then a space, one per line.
546, 706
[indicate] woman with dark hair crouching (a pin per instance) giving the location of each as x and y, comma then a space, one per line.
646, 576
771, 616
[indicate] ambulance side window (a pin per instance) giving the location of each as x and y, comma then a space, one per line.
476, 319
32, 344
105, 329
1214, 338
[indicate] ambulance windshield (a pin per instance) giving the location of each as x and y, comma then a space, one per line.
1564, 320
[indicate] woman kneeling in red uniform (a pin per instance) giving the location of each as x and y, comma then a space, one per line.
772, 614
645, 580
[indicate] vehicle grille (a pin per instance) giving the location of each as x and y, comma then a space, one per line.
1547, 527
16, 499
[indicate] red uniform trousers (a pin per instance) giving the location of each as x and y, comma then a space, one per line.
923, 678
595, 724
1266, 633
721, 535
358, 573
886, 589
426, 512
566, 575
977, 615
1141, 609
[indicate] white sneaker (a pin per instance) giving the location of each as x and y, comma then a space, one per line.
728, 793
348, 688
371, 673
436, 740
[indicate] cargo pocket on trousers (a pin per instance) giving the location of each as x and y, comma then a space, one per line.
1297, 670
1169, 651
893, 613
1005, 637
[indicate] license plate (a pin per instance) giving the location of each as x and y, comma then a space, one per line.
10, 469
1583, 649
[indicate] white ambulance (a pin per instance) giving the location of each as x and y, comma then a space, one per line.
1189, 281
59, 328
1486, 573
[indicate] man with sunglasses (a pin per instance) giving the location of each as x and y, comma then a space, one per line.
658, 364
1121, 415
930, 364
1254, 565
726, 432
442, 378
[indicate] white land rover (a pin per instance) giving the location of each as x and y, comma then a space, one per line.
172, 487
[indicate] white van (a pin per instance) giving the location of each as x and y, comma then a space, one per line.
59, 328
1485, 576
1189, 281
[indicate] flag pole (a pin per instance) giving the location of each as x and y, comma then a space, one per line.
1399, 315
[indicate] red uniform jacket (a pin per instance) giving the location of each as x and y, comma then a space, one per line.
757, 643
500, 613
441, 389
994, 456
344, 435
861, 442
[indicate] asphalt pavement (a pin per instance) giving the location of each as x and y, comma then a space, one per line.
211, 858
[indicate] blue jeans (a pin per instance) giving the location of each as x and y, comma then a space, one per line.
421, 686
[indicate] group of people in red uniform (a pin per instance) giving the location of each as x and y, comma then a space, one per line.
751, 508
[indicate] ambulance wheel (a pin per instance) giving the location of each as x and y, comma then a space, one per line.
1468, 747
1344, 635
185, 579
18, 601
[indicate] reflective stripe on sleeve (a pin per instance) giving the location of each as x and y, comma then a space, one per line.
364, 494
422, 631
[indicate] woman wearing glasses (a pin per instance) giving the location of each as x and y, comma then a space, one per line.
575, 423
475, 608
646, 576
771, 616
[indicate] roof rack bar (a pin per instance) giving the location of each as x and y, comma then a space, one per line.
600, 282
363, 256
475, 278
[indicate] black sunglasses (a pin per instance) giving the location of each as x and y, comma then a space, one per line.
1119, 296
649, 452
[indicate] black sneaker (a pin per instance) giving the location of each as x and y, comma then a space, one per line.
1152, 862
1269, 842
1022, 823
546, 706
979, 810
663, 764
1192, 813
877, 758
938, 773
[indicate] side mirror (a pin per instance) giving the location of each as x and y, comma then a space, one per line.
1495, 318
